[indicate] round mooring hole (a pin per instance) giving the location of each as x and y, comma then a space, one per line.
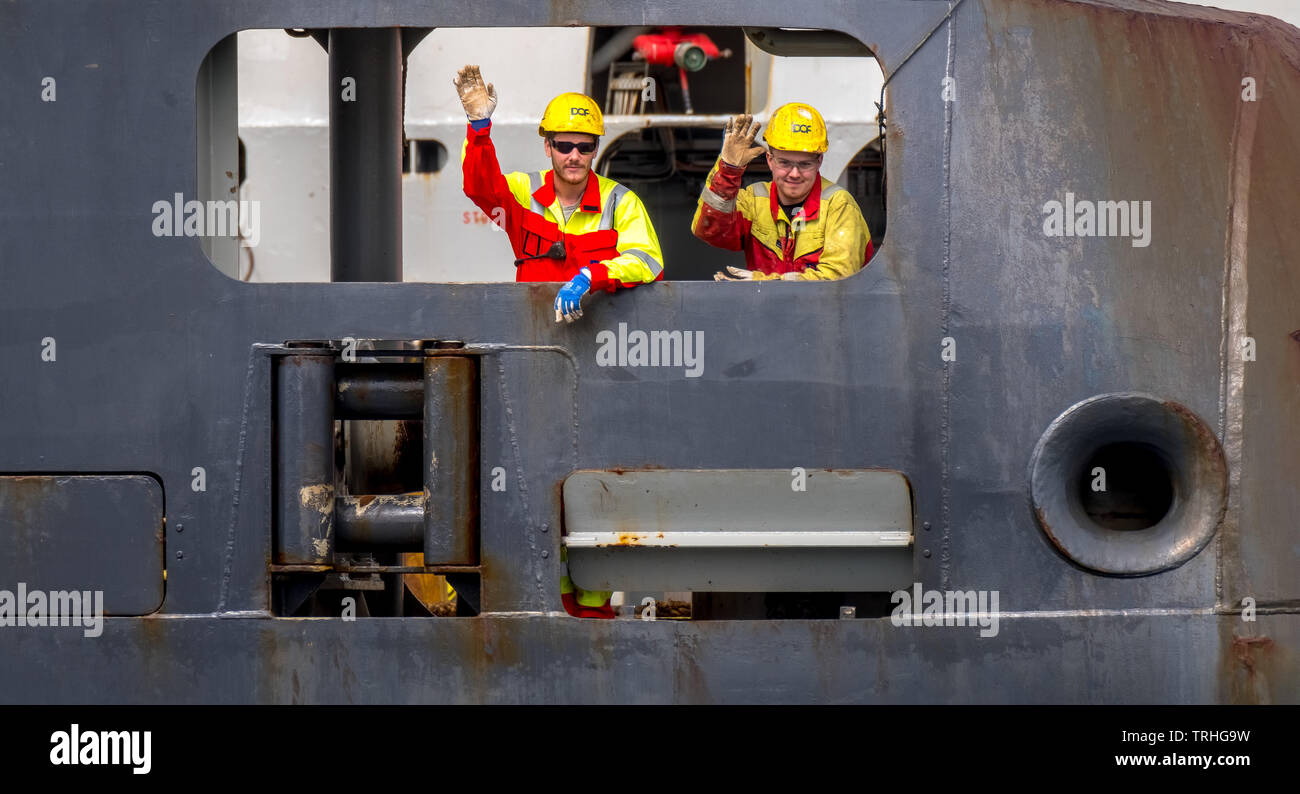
1126, 486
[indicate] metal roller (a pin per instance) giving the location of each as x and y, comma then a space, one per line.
450, 460
304, 460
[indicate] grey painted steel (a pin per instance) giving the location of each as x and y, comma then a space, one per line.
522, 389
742, 513
83, 533
394, 522
304, 438
450, 460
365, 154
379, 391
1188, 447
163, 366
549, 659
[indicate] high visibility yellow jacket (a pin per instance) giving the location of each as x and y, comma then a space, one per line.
610, 231
828, 239
586, 598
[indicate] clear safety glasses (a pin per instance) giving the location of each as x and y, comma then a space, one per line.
802, 166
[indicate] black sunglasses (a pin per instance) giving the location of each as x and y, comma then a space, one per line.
565, 147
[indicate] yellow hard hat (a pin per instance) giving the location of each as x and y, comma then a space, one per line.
572, 113
796, 127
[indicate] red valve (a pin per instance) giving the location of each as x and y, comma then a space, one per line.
690, 51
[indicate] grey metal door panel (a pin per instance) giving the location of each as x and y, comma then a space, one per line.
84, 533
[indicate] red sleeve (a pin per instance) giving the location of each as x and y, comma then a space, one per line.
717, 227
484, 183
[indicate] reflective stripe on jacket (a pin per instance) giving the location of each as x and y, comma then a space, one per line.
609, 232
832, 242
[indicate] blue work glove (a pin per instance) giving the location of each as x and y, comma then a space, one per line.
568, 303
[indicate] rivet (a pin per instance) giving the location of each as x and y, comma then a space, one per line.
545, 554
180, 527
180, 555
926, 525
926, 552
545, 527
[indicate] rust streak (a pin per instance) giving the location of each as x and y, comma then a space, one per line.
1047, 529
621, 470
1243, 648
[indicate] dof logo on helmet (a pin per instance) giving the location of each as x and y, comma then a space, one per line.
800, 128
578, 112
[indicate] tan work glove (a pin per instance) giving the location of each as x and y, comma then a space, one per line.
479, 100
741, 274
738, 147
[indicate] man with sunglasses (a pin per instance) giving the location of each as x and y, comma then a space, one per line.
798, 227
566, 224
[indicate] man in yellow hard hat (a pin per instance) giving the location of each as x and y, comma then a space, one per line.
798, 227
567, 223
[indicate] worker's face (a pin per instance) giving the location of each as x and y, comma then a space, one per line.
793, 173
572, 167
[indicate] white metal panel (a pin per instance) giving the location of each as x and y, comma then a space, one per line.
737, 500
745, 530
723, 539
